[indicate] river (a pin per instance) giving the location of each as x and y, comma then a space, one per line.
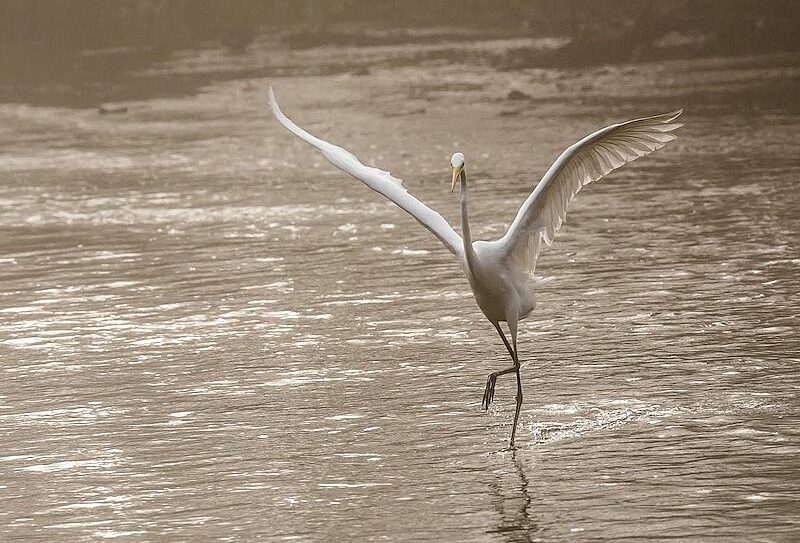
209, 333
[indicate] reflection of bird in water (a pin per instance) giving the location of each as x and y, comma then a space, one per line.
500, 272
513, 503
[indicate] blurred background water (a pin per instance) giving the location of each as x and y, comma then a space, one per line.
209, 333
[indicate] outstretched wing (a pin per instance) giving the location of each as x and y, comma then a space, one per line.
588, 160
377, 180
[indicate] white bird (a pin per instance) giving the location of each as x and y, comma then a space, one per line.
500, 272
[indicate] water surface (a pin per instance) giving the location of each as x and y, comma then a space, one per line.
208, 333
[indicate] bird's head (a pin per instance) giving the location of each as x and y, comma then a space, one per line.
457, 163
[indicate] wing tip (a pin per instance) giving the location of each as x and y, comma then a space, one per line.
664, 122
672, 115
272, 102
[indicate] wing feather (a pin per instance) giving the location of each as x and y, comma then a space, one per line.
378, 180
596, 155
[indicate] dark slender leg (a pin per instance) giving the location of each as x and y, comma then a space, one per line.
488, 394
503, 337
513, 329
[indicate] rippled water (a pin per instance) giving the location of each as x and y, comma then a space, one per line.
206, 332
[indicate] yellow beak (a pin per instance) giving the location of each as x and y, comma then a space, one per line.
456, 173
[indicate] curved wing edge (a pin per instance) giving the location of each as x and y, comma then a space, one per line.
591, 158
378, 180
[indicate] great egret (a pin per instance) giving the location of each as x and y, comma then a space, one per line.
500, 272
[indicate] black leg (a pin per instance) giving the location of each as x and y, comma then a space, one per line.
519, 386
488, 393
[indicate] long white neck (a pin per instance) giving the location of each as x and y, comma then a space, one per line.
469, 252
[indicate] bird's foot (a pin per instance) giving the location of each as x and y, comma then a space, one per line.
488, 394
